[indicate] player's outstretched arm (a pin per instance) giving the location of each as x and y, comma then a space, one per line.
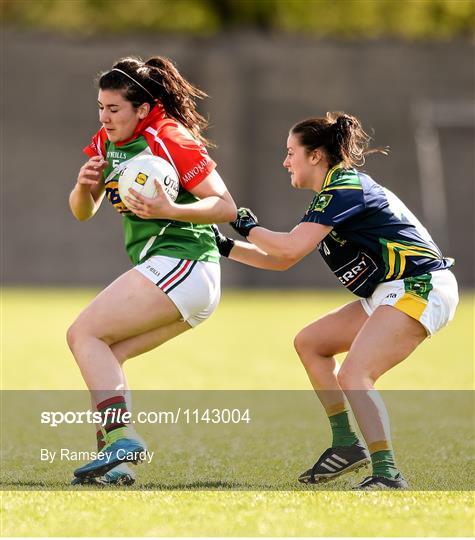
248, 253
291, 246
89, 190
253, 256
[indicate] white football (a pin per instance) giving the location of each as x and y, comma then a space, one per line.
140, 174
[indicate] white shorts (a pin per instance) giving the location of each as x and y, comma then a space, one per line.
431, 298
193, 286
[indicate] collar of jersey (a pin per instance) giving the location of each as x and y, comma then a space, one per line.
328, 177
157, 113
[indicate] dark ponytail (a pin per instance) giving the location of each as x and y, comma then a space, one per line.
340, 135
177, 95
158, 79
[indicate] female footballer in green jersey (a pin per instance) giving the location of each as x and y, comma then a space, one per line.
379, 251
145, 108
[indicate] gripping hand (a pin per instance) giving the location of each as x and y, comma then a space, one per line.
246, 220
225, 244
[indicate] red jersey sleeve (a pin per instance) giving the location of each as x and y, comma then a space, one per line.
97, 145
189, 157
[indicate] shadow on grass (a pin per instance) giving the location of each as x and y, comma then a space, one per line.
197, 485
204, 485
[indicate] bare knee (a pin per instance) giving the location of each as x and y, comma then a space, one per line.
78, 334
310, 342
302, 344
353, 378
73, 336
320, 368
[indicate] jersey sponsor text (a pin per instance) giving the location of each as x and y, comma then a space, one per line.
199, 167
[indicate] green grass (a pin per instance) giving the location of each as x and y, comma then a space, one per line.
238, 514
246, 345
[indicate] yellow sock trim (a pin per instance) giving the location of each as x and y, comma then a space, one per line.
336, 409
114, 435
377, 446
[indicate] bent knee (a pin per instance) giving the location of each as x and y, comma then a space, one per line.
352, 378
302, 343
78, 333
73, 336
311, 343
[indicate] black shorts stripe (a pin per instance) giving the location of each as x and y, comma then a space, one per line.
180, 262
187, 273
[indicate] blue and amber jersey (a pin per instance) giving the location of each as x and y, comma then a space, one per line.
375, 238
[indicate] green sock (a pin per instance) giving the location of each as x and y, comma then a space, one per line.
343, 433
384, 464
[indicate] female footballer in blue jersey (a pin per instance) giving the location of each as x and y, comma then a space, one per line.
379, 251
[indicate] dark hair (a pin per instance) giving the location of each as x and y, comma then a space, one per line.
340, 135
157, 79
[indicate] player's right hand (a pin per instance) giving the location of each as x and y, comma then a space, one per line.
91, 172
225, 244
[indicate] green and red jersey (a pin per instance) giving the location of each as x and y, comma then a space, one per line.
167, 138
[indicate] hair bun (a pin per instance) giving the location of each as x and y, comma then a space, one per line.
344, 121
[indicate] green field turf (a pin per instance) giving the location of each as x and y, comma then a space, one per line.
246, 345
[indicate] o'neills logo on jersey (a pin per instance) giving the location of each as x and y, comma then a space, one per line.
200, 167
116, 154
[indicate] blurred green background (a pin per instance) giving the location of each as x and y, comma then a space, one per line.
412, 19
404, 67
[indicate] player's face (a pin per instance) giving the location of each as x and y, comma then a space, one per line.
118, 116
300, 164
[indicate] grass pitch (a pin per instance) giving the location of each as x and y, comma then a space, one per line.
246, 345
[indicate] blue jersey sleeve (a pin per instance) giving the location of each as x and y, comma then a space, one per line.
334, 206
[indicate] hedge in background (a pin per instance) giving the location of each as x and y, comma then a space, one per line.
411, 19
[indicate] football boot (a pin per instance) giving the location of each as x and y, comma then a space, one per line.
336, 461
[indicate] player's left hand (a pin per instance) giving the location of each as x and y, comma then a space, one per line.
158, 207
246, 220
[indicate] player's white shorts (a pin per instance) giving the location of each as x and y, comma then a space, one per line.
193, 286
431, 298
